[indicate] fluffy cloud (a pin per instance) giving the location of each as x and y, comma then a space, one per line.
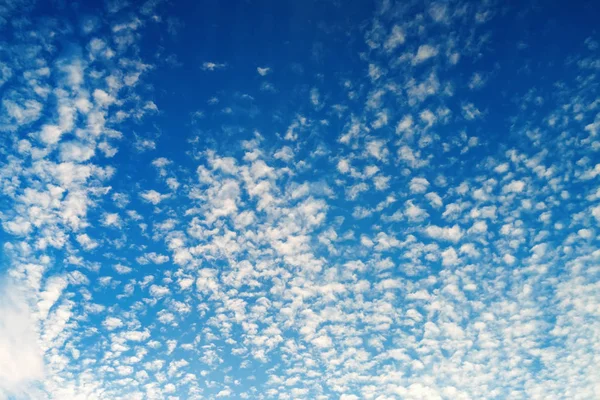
173, 228
21, 358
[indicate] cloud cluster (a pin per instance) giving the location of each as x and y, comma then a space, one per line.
398, 233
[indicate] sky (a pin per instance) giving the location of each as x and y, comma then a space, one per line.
320, 200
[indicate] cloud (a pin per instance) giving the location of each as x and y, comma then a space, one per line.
363, 235
50, 134
21, 358
424, 53
159, 291
418, 185
211, 66
453, 234
516, 186
396, 38
152, 196
263, 71
76, 151
112, 323
122, 269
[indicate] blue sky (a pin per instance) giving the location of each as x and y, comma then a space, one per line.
315, 200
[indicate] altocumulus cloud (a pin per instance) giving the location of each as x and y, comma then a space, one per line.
377, 200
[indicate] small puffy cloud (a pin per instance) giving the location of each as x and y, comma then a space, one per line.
343, 166
449, 257
315, 96
186, 283
135, 336
124, 370
414, 212
516, 186
244, 219
102, 98
159, 291
121, 269
285, 154
479, 227
381, 120
439, 12
224, 393
86, 242
144, 144
477, 81
173, 183
585, 233
381, 182
212, 66
377, 149
418, 185
395, 39
501, 168
263, 71
111, 219
424, 53
453, 234
470, 112
152, 196
405, 125
322, 342
434, 199
353, 191
161, 162
152, 257
375, 72
112, 323
76, 151
50, 134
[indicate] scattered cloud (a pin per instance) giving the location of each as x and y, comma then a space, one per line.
413, 217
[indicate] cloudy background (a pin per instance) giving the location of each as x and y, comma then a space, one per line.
299, 200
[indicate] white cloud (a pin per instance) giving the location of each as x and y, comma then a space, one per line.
424, 53
322, 342
53, 289
21, 358
315, 96
154, 197
74, 151
395, 39
264, 71
323, 248
285, 154
449, 257
434, 199
405, 124
159, 291
50, 134
453, 234
212, 66
111, 219
418, 185
86, 242
112, 323
102, 98
414, 212
516, 186
121, 269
